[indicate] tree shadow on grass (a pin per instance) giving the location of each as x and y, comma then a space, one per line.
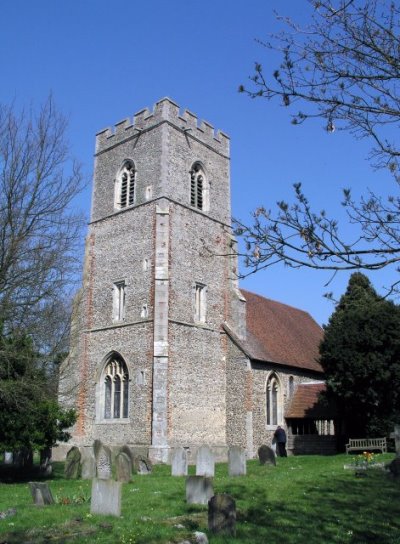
334, 509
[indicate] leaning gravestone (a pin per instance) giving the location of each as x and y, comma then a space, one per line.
142, 465
396, 436
88, 466
103, 460
106, 497
266, 455
123, 467
199, 489
41, 493
237, 461
222, 515
72, 467
179, 462
205, 464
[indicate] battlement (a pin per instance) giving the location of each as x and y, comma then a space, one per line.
164, 110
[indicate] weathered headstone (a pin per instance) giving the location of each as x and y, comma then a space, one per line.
41, 493
199, 489
396, 436
123, 467
394, 467
179, 462
237, 461
88, 466
8, 458
142, 465
129, 452
266, 455
103, 460
222, 515
205, 464
106, 497
72, 467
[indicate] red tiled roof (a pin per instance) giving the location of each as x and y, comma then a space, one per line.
306, 404
281, 334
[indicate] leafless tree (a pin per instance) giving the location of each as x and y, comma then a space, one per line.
344, 67
39, 228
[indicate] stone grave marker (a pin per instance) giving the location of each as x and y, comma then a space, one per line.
205, 464
396, 436
41, 493
266, 455
199, 489
222, 515
126, 449
237, 461
142, 465
123, 467
103, 460
88, 466
179, 462
8, 458
72, 467
106, 497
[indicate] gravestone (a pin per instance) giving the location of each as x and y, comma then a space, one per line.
266, 455
199, 489
237, 461
205, 464
8, 458
222, 515
179, 462
41, 493
396, 436
103, 460
106, 497
88, 466
126, 449
142, 465
123, 467
72, 468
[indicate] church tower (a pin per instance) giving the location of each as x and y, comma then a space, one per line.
148, 352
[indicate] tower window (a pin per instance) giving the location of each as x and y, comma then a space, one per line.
200, 303
116, 389
198, 187
125, 187
119, 301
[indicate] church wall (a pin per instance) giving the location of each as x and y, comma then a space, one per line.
182, 154
238, 398
196, 387
262, 433
119, 251
145, 150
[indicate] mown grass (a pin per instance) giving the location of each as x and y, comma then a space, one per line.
307, 499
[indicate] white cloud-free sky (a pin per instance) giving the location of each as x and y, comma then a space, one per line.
104, 60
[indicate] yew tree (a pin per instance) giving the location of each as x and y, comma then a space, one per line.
360, 354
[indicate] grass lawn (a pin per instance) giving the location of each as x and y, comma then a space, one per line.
305, 499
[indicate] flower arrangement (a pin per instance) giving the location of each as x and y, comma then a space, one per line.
364, 460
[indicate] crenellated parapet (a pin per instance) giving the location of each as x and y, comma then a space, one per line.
165, 110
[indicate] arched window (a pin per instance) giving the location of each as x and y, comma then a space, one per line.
198, 187
291, 387
273, 400
125, 186
115, 383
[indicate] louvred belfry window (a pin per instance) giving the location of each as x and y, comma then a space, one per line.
197, 187
126, 185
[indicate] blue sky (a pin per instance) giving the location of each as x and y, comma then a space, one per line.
105, 60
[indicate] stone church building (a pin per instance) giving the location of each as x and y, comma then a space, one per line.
166, 350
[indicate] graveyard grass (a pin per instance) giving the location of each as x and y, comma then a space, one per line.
305, 499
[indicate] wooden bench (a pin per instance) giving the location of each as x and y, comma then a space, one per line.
366, 444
